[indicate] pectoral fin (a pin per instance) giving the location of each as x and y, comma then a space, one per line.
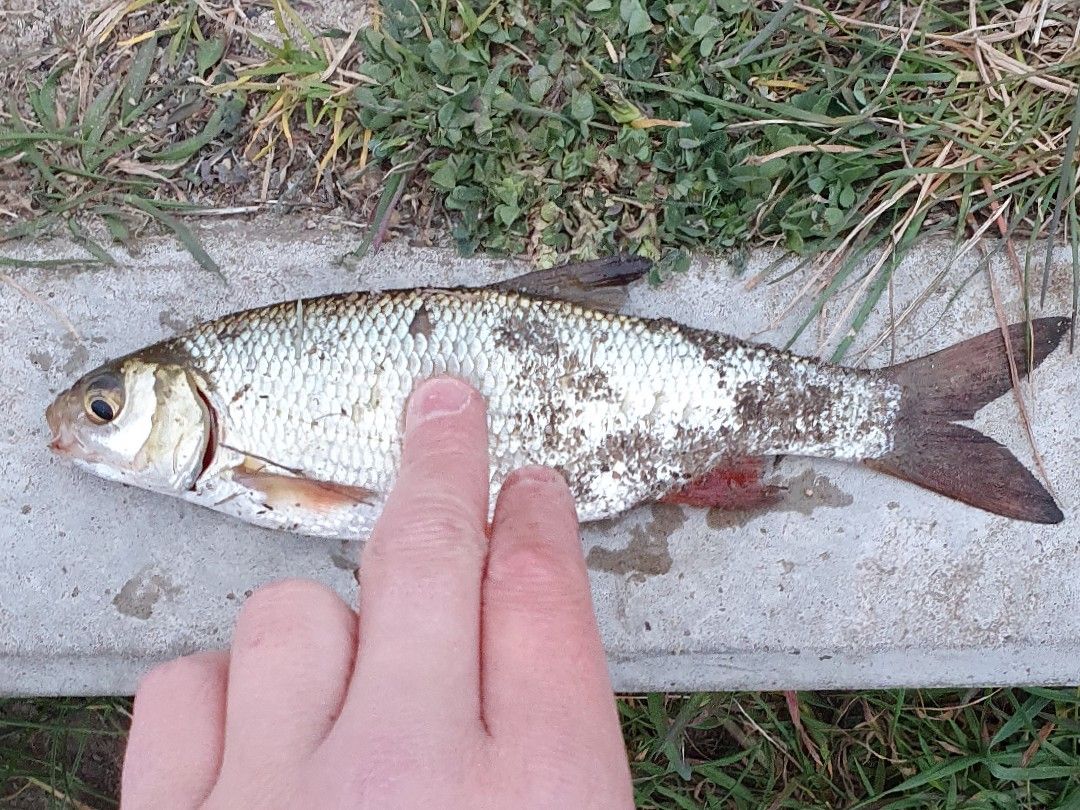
286, 491
600, 284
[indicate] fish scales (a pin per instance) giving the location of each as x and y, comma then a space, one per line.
627, 408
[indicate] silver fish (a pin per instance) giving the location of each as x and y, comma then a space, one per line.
289, 416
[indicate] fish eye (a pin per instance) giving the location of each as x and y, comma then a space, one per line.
104, 398
102, 409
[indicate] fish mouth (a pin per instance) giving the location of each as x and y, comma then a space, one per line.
63, 442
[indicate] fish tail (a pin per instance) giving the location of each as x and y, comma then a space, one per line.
930, 450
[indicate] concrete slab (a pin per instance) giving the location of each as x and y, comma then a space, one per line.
856, 581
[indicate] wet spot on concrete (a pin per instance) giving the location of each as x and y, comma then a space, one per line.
78, 358
42, 360
342, 562
168, 319
347, 556
140, 593
647, 553
805, 493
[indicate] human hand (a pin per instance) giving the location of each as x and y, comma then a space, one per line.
473, 678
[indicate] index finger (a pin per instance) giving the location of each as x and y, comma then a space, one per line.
422, 567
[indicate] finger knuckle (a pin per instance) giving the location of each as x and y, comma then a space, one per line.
192, 674
382, 763
279, 614
436, 526
445, 450
532, 570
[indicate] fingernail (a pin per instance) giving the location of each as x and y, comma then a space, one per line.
536, 474
442, 396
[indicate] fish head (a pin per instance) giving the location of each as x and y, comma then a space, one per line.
135, 421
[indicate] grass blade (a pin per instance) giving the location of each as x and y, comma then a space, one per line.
136, 82
390, 194
94, 123
1066, 181
181, 231
83, 239
188, 147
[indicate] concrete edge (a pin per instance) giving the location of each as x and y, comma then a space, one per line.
1016, 665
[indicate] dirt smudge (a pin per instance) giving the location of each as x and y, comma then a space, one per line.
347, 557
343, 562
421, 323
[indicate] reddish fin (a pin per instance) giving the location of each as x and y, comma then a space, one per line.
285, 491
737, 484
956, 461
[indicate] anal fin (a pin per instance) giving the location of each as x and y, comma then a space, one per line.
736, 484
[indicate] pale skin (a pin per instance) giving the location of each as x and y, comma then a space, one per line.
471, 676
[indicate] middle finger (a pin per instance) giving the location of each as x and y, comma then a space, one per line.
422, 568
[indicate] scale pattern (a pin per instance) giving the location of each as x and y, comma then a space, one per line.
627, 408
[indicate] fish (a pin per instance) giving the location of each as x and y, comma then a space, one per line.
290, 416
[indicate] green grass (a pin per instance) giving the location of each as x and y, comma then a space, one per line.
899, 749
1002, 748
63, 752
106, 138
570, 128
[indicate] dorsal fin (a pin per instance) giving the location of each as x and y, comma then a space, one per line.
600, 284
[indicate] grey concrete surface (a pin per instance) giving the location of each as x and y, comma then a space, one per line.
29, 28
856, 580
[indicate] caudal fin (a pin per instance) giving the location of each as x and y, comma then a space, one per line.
954, 460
